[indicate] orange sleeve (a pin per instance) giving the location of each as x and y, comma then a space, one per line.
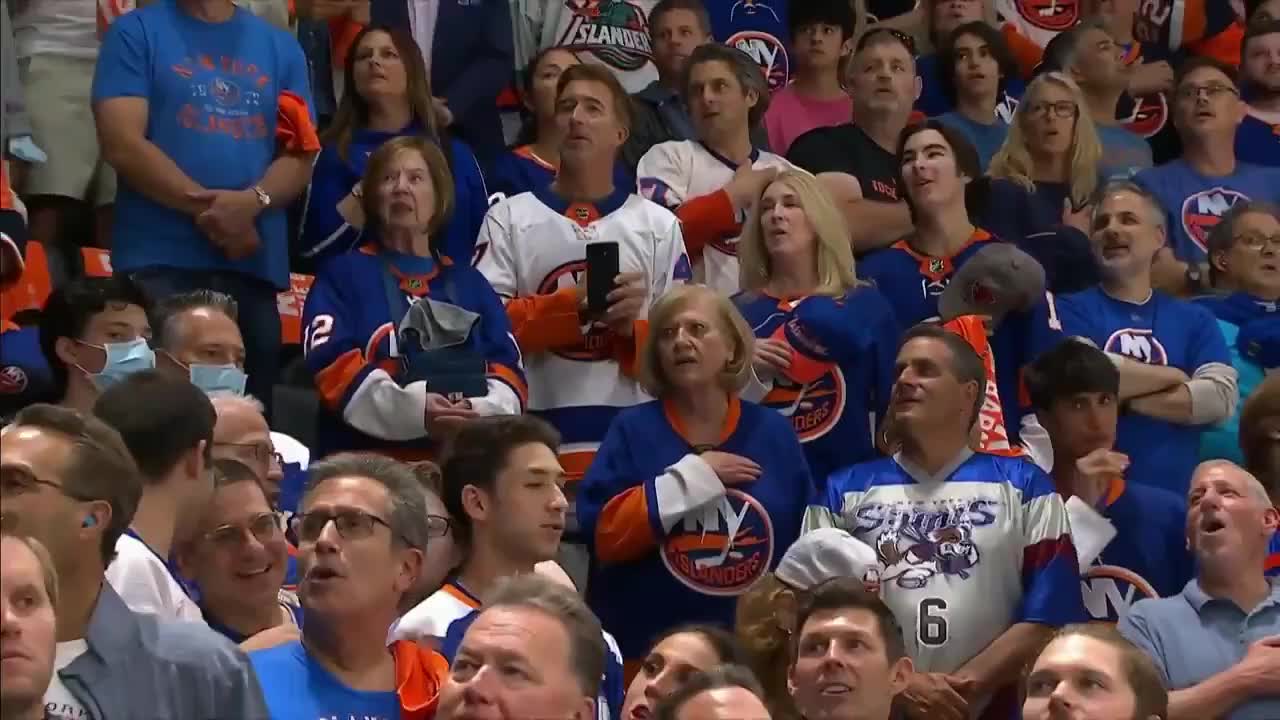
622, 532
1025, 53
342, 33
626, 350
1224, 47
420, 673
543, 322
706, 218
294, 129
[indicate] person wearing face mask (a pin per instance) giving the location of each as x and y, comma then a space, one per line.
196, 334
1092, 672
404, 342
677, 655
94, 332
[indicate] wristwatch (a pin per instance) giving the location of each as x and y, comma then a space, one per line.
263, 198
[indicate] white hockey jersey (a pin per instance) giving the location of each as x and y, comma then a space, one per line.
534, 244
613, 33
674, 172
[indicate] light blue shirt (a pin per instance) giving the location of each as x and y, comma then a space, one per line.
1192, 637
298, 688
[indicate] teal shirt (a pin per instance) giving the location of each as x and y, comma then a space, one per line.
1222, 440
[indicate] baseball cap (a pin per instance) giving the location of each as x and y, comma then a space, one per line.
823, 554
999, 279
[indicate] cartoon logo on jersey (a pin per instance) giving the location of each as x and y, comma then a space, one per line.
814, 405
1109, 591
1053, 15
769, 52
1139, 344
615, 31
912, 557
595, 346
13, 380
225, 92
724, 549
1150, 113
1202, 211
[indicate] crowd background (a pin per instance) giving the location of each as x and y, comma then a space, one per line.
640, 359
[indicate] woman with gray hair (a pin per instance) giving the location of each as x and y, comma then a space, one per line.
691, 498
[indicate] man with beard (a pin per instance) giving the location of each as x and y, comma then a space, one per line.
1256, 138
1217, 643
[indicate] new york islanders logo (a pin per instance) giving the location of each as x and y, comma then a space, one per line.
724, 550
615, 31
814, 405
1139, 344
595, 346
1110, 590
1052, 15
13, 380
1149, 116
1202, 211
769, 52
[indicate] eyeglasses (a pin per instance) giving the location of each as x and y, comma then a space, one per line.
14, 482
1257, 241
1062, 109
1213, 91
263, 527
351, 524
438, 526
261, 452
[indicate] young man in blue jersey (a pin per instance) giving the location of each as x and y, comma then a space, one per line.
1141, 546
1260, 74
1175, 372
977, 559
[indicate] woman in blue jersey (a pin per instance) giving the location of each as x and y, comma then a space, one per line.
825, 340
387, 94
692, 497
405, 343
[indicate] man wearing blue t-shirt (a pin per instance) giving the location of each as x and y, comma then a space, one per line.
203, 110
1198, 188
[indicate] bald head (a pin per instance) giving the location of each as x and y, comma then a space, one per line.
242, 434
1226, 470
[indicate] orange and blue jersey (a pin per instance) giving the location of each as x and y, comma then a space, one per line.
670, 542
520, 170
1272, 566
1258, 138
837, 388
352, 348
1171, 25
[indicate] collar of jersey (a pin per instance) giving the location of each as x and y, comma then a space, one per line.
603, 206
730, 424
751, 159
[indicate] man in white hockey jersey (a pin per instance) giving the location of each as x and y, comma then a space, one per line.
532, 248
711, 183
976, 554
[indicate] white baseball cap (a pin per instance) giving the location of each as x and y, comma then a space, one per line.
823, 554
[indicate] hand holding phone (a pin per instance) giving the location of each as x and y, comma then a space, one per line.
602, 274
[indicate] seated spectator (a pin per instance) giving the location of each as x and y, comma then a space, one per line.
197, 336
974, 69
94, 332
1144, 108
1140, 546
846, 636
1023, 538
824, 338
387, 95
444, 549
70, 482
653, 518
1092, 671
822, 40
362, 531
1244, 261
766, 616
1260, 77
167, 424
558, 649
237, 558
942, 19
242, 434
710, 183
24, 373
677, 655
1260, 441
28, 625
884, 86
398, 316
205, 184
1261, 11
676, 29
728, 692
1215, 642
1089, 55
1197, 189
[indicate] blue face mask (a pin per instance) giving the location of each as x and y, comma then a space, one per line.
123, 360
218, 378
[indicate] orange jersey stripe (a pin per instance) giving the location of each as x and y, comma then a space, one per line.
543, 322
623, 533
705, 219
333, 381
512, 378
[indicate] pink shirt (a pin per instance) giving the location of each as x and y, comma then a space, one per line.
791, 115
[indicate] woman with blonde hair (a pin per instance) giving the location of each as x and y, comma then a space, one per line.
825, 340
692, 497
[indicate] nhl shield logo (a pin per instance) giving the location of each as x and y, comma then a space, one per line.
1202, 211
13, 380
725, 549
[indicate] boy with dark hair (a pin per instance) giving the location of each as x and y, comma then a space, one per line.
821, 41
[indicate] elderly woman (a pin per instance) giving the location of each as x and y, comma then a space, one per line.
403, 342
388, 95
694, 496
825, 341
677, 655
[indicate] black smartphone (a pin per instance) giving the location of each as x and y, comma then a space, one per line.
602, 269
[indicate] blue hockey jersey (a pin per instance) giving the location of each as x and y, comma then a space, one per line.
1148, 557
838, 386
964, 554
25, 377
352, 348
672, 544
1273, 557
758, 28
1258, 138
1194, 203
1161, 331
913, 282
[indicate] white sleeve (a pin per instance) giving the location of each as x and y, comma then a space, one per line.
662, 175
671, 261
687, 487
495, 251
1215, 391
501, 400
382, 408
1090, 531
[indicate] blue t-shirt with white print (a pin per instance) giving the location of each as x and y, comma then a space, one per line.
296, 687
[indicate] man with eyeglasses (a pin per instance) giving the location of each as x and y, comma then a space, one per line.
238, 558
1197, 189
242, 434
1244, 267
362, 530
167, 424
